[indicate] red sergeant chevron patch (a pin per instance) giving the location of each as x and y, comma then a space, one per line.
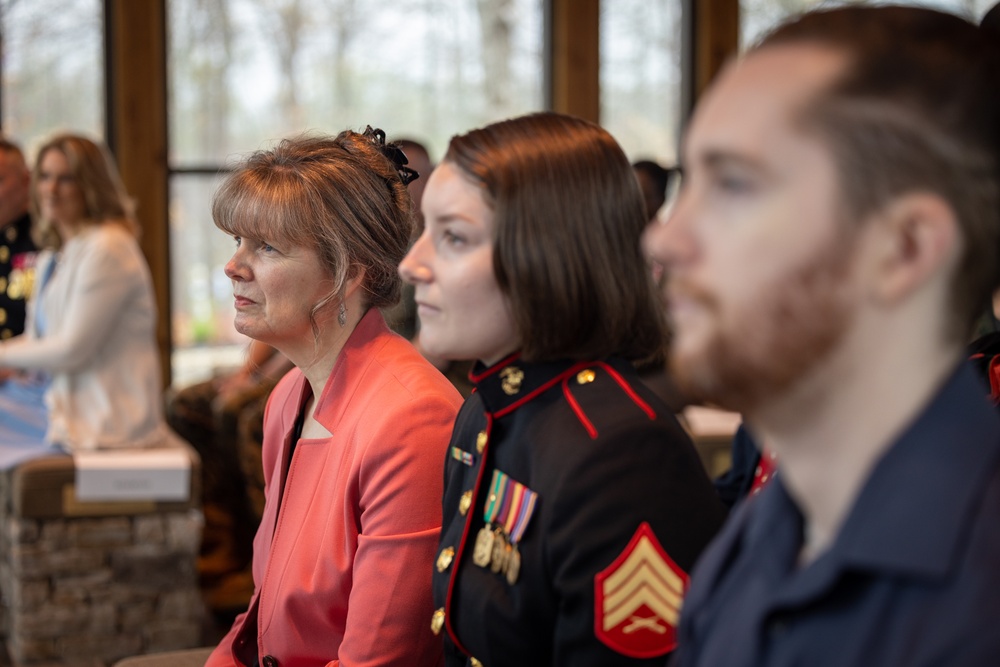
637, 599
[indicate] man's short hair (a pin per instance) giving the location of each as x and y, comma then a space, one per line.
10, 148
916, 109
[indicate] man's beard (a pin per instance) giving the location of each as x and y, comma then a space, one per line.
775, 341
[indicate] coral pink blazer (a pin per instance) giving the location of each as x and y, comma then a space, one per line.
342, 566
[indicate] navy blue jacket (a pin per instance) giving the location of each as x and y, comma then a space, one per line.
17, 270
912, 579
614, 474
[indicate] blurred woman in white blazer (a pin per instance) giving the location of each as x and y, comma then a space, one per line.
85, 374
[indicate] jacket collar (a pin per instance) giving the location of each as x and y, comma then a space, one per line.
912, 513
357, 355
512, 382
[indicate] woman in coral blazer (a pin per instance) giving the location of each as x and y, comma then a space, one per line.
355, 435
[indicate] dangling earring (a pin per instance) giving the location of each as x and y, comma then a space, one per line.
342, 315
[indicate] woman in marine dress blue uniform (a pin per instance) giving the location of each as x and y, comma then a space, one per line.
574, 503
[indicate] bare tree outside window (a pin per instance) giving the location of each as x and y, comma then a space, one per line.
245, 73
641, 76
52, 55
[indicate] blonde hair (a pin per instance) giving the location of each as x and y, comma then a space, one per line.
95, 173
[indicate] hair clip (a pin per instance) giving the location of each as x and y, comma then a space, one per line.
393, 153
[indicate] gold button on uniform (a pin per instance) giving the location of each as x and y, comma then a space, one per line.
444, 558
12, 234
481, 441
3, 316
437, 621
585, 377
465, 503
4, 253
475, 663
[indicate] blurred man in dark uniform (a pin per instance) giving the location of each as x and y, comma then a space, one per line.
835, 239
17, 250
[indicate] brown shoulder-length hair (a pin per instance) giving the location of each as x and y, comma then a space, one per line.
339, 195
95, 173
917, 108
568, 217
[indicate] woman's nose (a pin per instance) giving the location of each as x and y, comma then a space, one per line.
235, 268
45, 186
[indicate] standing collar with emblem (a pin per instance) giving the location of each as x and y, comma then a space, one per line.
512, 382
918, 502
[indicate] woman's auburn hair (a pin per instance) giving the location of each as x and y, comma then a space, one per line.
568, 221
339, 195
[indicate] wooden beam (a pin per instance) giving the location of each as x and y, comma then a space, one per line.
574, 61
137, 123
711, 39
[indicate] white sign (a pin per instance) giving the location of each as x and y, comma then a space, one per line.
134, 474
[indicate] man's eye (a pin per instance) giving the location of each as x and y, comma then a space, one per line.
734, 184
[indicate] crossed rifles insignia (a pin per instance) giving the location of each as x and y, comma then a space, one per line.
638, 599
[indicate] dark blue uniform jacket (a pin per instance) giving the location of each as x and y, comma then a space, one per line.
616, 479
17, 270
912, 579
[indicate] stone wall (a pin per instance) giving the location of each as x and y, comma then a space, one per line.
113, 580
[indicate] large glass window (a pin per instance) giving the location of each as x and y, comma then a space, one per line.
758, 16
53, 68
641, 76
244, 73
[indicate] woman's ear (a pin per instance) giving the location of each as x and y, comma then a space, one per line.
355, 277
918, 235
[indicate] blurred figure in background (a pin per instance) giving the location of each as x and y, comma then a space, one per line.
17, 248
89, 348
402, 317
655, 182
418, 159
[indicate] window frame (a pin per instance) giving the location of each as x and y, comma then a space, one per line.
136, 85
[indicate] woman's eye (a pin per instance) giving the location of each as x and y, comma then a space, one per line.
239, 241
453, 239
266, 247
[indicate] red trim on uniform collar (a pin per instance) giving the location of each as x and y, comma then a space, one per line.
572, 370
495, 368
